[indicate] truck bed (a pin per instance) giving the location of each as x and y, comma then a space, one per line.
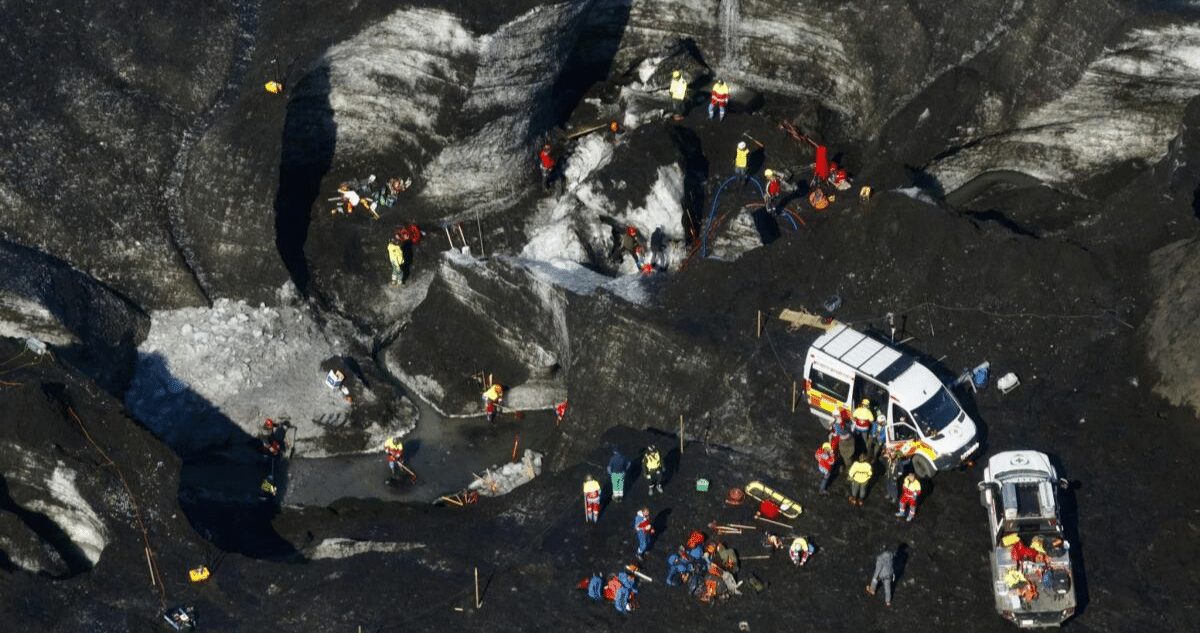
1047, 608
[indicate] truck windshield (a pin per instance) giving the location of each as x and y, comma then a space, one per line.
937, 412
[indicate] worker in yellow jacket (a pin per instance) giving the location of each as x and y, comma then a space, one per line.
860, 476
396, 257
740, 160
678, 89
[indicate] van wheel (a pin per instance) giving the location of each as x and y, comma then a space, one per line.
923, 467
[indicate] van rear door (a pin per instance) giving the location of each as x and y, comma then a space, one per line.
828, 389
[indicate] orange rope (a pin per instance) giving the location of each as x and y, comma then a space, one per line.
155, 576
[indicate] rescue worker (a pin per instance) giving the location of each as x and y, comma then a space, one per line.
846, 445
876, 437
740, 160
912, 490
895, 465
548, 165
716, 552
862, 418
396, 257
774, 191
678, 90
492, 399
800, 550
837, 177
885, 572
652, 466
394, 450
644, 529
595, 587
731, 583
591, 499
629, 244
720, 98
678, 568
273, 87
623, 601
617, 467
267, 488
860, 476
272, 448
272, 444
826, 463
348, 200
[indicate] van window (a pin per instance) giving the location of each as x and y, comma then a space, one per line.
903, 432
936, 413
829, 385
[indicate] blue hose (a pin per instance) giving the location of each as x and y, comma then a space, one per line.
713, 211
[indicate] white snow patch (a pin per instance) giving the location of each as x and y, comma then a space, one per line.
1127, 105
67, 508
916, 193
33, 320
345, 548
504, 479
379, 80
199, 366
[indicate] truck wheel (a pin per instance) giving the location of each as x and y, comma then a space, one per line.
923, 467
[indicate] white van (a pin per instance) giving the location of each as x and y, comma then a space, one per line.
925, 421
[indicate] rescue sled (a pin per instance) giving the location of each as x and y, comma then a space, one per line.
787, 507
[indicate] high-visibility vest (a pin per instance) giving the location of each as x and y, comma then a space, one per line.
799, 544
591, 489
653, 461
720, 94
860, 472
396, 255
678, 88
742, 154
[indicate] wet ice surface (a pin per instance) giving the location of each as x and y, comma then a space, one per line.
445, 455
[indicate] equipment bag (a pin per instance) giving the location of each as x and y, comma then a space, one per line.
756, 583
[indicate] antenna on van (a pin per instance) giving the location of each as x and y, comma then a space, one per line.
891, 321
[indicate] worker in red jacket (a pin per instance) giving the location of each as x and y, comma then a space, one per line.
774, 191
826, 460
908, 497
720, 98
395, 454
591, 499
547, 164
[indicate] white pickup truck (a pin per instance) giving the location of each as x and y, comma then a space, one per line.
1032, 578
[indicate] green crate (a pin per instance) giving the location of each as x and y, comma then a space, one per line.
702, 485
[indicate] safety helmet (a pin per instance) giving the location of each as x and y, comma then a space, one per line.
588, 477
865, 402
720, 81
614, 126
269, 424
675, 74
768, 173
498, 388
827, 446
547, 147
741, 144
343, 187
631, 230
